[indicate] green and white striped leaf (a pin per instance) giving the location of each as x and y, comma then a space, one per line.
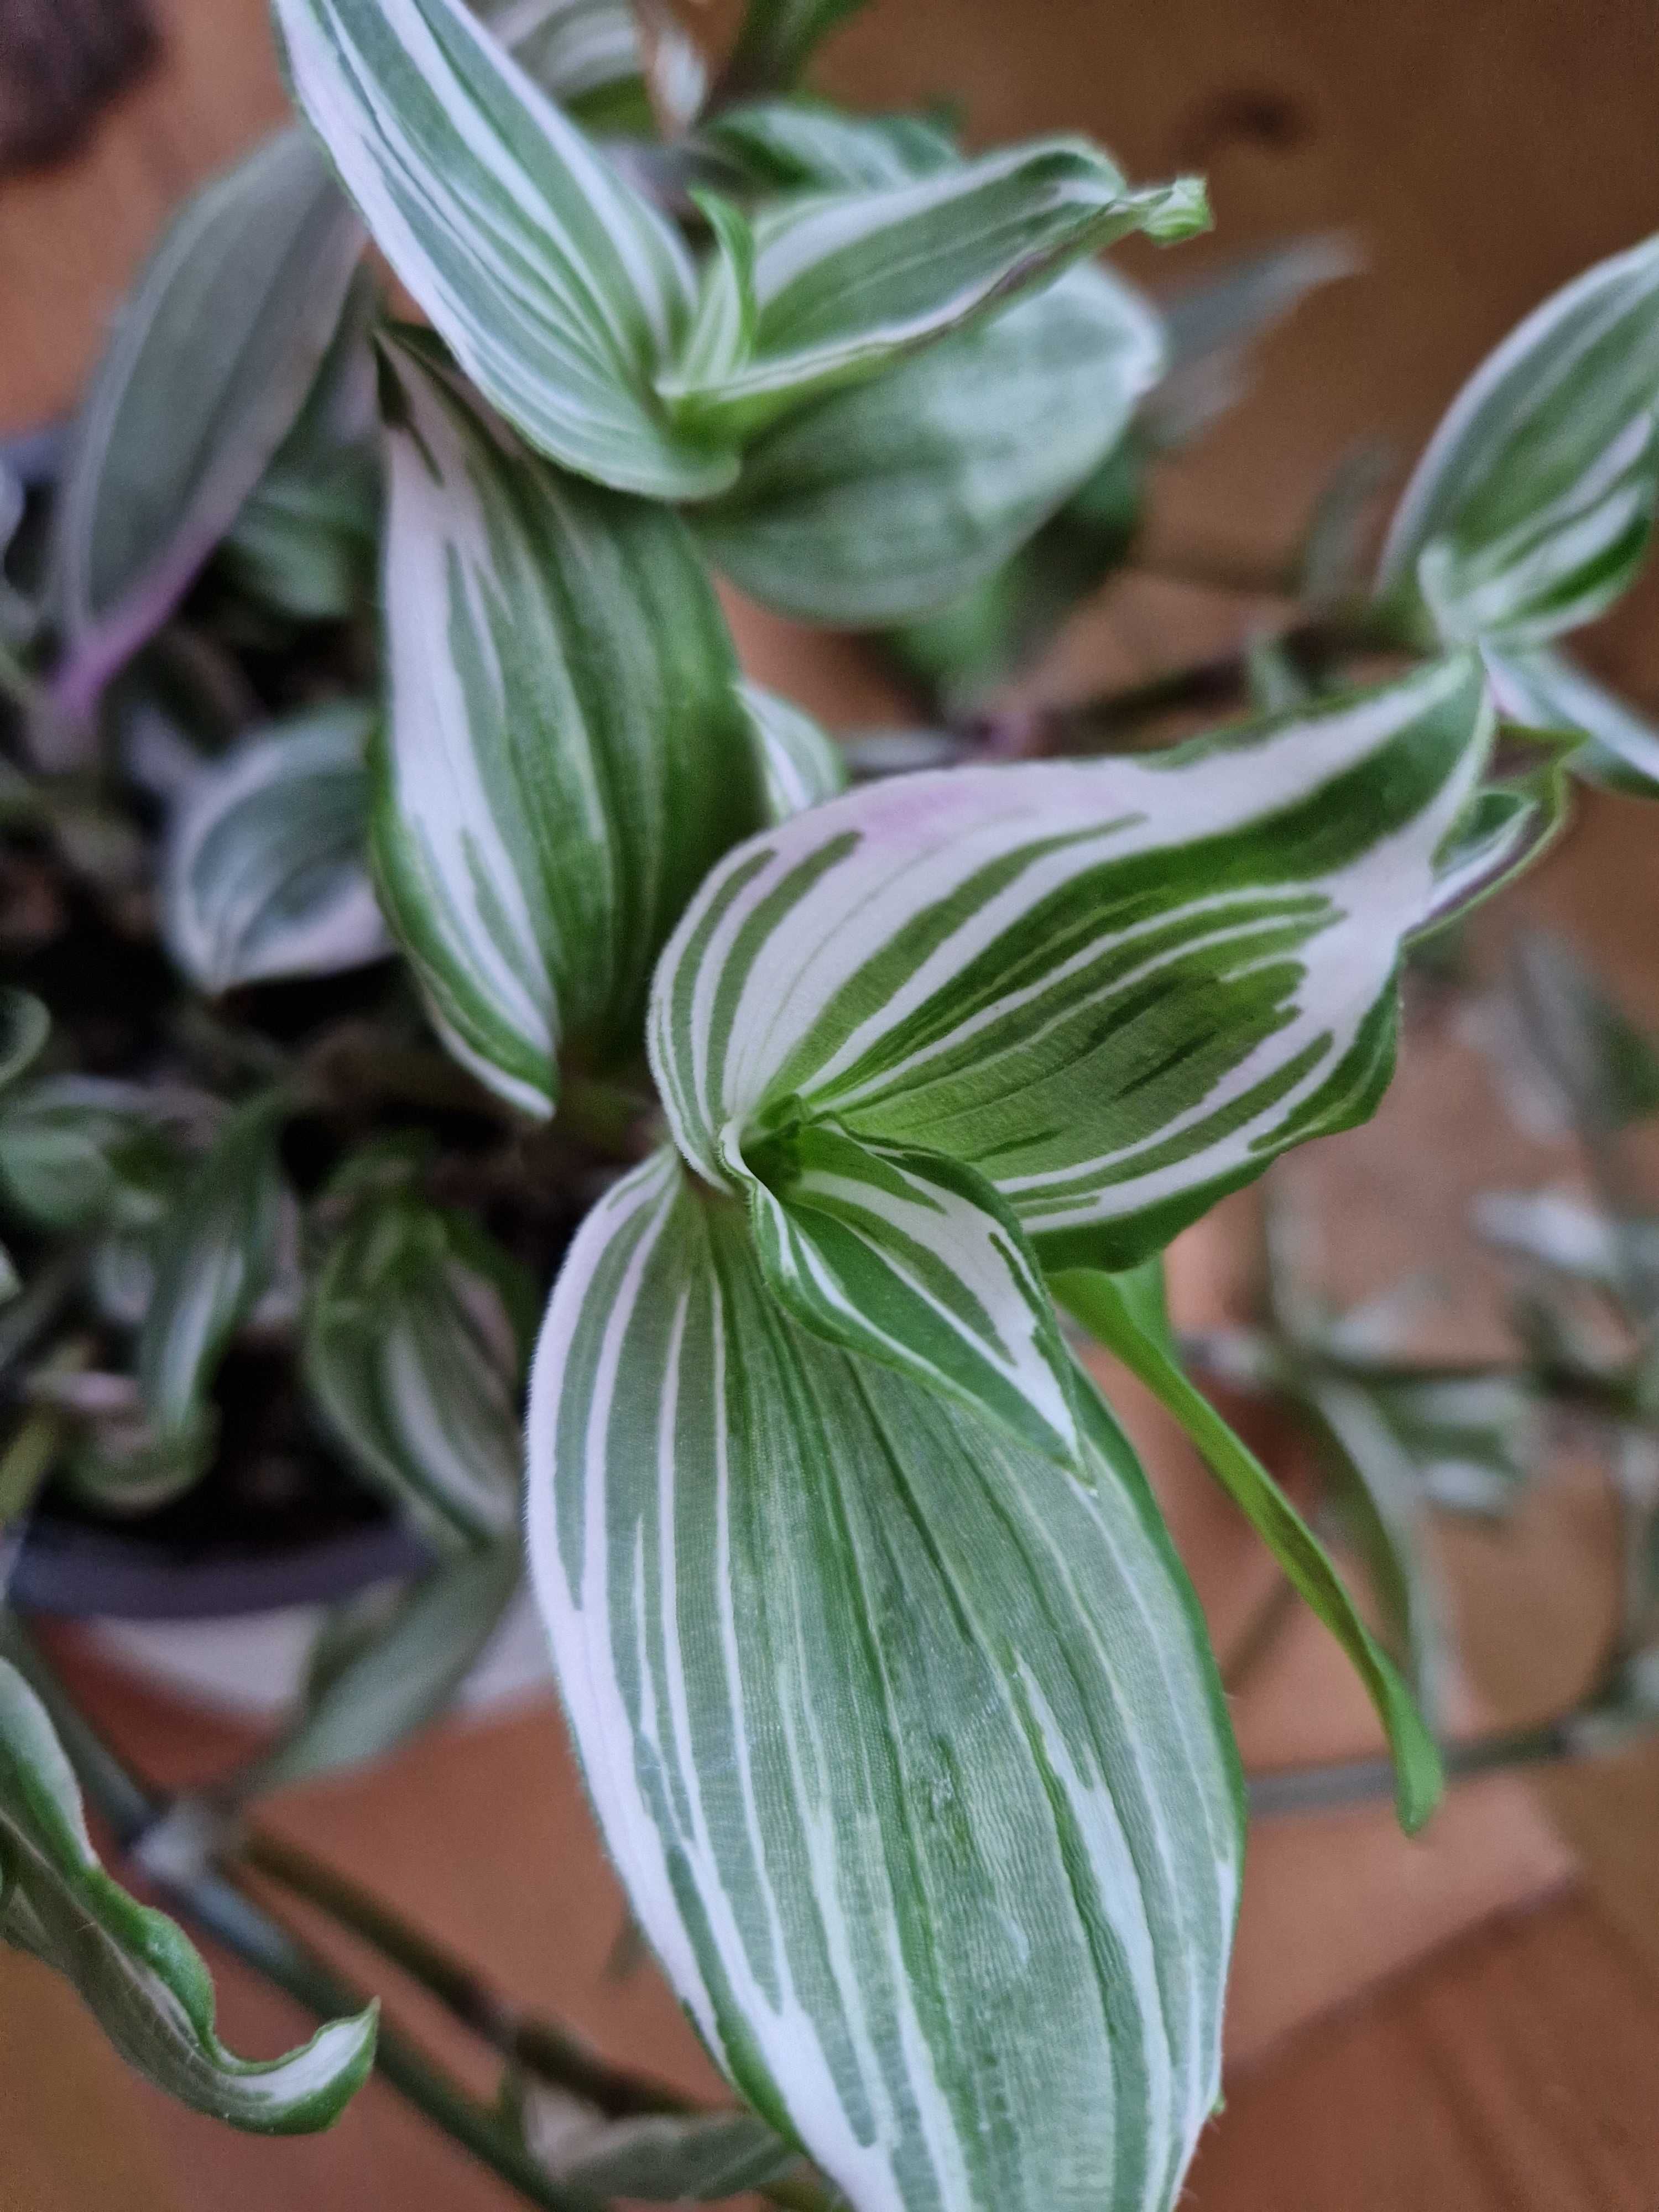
145, 1983
1116, 988
801, 764
566, 753
209, 364
584, 54
827, 289
82, 1151
25, 1025
775, 40
791, 145
906, 1739
558, 288
265, 870
917, 1262
1529, 511
899, 496
414, 1346
1543, 689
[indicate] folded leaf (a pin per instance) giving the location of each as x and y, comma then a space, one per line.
847, 284
1097, 1300
1543, 689
1116, 988
266, 867
898, 496
565, 755
1532, 497
557, 286
146, 1983
906, 1741
209, 362
801, 765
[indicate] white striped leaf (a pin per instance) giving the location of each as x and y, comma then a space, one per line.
584, 54
145, 1983
82, 1151
1542, 688
825, 290
207, 368
559, 288
265, 866
1116, 988
899, 496
793, 144
801, 764
906, 1739
565, 753
1529, 511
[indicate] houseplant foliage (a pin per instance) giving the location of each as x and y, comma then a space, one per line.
895, 1707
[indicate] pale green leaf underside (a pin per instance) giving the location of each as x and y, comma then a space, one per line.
145, 1983
906, 1741
266, 870
1116, 988
1544, 689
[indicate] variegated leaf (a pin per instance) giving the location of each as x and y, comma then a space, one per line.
146, 1983
207, 366
1543, 689
1116, 988
905, 1739
1529, 511
791, 145
558, 286
82, 1151
801, 765
896, 498
828, 289
584, 54
653, 2158
266, 867
566, 753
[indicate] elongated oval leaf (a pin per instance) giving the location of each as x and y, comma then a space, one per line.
565, 752
897, 498
1544, 689
209, 362
906, 1741
801, 765
1534, 493
559, 288
145, 1983
1116, 988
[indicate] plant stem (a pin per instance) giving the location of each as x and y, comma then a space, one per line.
1341, 1783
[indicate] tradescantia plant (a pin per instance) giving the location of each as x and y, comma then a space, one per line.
381, 707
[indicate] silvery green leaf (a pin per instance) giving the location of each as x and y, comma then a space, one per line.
801, 764
1542, 688
214, 1256
1521, 809
1116, 988
845, 285
414, 1355
1604, 1066
775, 40
25, 1025
566, 753
558, 288
265, 868
1554, 1227
797, 144
584, 54
144, 1982
899, 497
207, 368
906, 1741
1532, 502
77, 1151
658, 2158
402, 1676
1471, 1439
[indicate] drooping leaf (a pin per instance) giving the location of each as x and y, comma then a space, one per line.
25, 1025
906, 1741
1532, 503
566, 753
844, 285
801, 765
775, 40
208, 367
1116, 988
899, 497
1097, 1300
558, 288
657, 2158
1544, 689
790, 145
146, 1983
267, 868
80, 1150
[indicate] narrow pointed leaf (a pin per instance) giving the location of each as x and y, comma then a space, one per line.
899, 496
794, 144
915, 1260
906, 1741
266, 864
1116, 988
847, 284
1604, 1066
566, 753
1531, 502
584, 54
1099, 1304
801, 765
775, 40
1544, 689
1520, 811
146, 1983
558, 288
208, 367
